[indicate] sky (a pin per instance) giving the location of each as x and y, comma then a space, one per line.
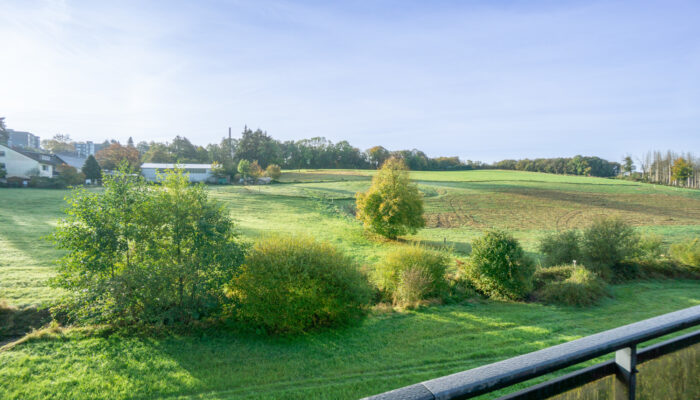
482, 80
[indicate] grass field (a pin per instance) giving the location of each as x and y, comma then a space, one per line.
384, 351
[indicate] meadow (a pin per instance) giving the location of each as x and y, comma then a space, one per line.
387, 349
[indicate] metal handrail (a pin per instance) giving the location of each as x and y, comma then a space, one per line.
623, 340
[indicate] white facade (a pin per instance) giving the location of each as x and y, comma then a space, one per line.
18, 165
196, 172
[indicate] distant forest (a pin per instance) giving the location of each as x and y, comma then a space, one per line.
320, 152
667, 168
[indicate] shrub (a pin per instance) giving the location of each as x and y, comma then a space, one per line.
665, 269
650, 247
392, 206
69, 176
570, 285
273, 171
561, 247
498, 266
139, 254
255, 170
291, 285
558, 273
687, 252
410, 274
606, 243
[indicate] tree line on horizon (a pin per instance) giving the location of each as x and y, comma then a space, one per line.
669, 168
321, 153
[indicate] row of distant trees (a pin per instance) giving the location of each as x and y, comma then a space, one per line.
320, 152
578, 165
666, 168
256, 145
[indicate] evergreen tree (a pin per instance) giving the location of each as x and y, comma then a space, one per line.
92, 169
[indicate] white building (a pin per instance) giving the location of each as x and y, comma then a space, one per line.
196, 172
25, 164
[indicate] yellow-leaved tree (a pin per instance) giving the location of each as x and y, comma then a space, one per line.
392, 206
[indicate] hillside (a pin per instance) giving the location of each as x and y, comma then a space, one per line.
459, 206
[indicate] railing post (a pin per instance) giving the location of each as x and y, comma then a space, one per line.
626, 377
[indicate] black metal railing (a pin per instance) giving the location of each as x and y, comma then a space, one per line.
623, 341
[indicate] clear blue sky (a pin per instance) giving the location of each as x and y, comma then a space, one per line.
482, 80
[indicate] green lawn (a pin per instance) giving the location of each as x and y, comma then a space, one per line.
459, 206
383, 352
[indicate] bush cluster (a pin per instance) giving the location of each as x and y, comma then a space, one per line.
687, 252
499, 268
143, 254
561, 247
290, 285
570, 285
606, 243
602, 247
410, 274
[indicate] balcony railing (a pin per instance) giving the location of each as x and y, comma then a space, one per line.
623, 341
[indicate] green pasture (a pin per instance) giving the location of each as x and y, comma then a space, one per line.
459, 205
387, 349
383, 352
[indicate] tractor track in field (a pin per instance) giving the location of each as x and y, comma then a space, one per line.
564, 221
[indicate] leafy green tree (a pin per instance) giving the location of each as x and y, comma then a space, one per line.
130, 142
158, 153
377, 155
392, 206
139, 254
218, 170
183, 151
627, 165
579, 166
258, 145
244, 168
92, 169
681, 170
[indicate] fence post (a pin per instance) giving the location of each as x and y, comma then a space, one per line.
626, 377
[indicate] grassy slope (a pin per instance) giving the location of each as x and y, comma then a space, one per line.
355, 361
383, 352
459, 206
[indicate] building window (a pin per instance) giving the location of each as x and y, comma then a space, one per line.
46, 158
44, 167
2, 153
2, 165
196, 170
